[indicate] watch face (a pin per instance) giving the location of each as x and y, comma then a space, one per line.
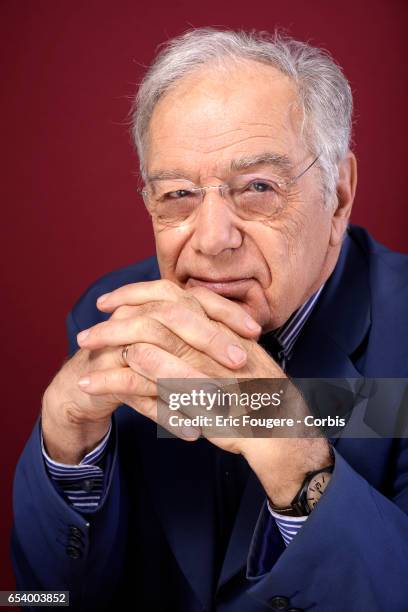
316, 488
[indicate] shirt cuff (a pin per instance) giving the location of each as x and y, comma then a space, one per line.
81, 484
289, 526
90, 458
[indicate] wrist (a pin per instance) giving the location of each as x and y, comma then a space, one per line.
68, 440
308, 495
283, 467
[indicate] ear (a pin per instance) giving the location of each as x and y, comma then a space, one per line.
345, 190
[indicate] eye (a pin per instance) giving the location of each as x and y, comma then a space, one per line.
260, 186
180, 193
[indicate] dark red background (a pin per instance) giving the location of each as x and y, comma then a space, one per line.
69, 209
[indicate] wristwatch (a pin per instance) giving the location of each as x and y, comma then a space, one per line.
310, 492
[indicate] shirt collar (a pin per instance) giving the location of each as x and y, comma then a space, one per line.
288, 333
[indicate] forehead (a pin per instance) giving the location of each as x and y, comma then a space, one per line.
216, 115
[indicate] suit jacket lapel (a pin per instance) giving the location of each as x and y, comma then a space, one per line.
248, 512
339, 323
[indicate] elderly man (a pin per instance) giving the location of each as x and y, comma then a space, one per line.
248, 176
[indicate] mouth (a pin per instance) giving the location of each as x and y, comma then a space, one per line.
231, 288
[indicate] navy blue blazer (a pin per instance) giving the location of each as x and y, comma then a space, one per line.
181, 522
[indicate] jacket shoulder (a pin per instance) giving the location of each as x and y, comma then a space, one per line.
388, 288
381, 258
84, 312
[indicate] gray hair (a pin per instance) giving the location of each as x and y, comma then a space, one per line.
324, 92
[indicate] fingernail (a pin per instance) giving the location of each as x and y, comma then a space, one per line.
84, 382
102, 298
190, 432
236, 354
83, 335
252, 325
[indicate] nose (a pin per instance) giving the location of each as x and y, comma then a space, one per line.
215, 230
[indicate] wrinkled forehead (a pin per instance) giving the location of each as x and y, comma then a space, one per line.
215, 116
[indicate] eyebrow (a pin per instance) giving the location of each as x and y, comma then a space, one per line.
161, 175
267, 158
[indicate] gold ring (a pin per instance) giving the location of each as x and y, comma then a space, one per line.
124, 353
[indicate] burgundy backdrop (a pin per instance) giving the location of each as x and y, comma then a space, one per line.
69, 207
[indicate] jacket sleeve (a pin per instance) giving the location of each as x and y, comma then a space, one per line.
55, 546
352, 552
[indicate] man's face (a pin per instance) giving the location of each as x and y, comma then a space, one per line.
213, 118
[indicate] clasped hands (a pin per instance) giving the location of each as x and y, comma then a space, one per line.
194, 333
170, 333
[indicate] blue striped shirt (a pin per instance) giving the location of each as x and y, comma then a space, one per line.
82, 484
287, 525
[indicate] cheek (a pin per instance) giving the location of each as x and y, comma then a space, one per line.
300, 237
293, 252
169, 245
272, 243
276, 246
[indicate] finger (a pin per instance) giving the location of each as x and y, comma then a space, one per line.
118, 332
156, 363
115, 381
202, 334
139, 293
217, 307
125, 311
194, 329
129, 388
225, 311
